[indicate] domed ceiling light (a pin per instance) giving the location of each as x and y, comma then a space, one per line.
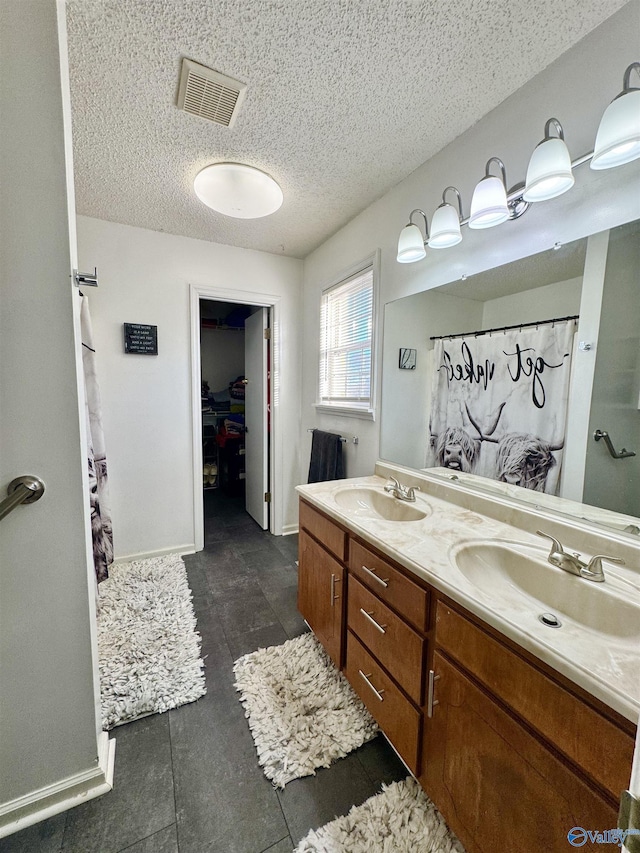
237, 190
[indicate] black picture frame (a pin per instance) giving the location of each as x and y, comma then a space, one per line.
407, 359
140, 339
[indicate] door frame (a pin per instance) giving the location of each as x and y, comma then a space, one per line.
276, 460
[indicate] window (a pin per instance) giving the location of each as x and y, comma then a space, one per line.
346, 344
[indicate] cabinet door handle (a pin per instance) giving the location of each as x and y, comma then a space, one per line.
377, 692
369, 616
372, 573
334, 597
430, 698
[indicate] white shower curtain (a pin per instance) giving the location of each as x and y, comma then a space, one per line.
101, 531
499, 404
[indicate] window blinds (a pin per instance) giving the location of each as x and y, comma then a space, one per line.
346, 324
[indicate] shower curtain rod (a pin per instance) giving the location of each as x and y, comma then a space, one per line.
503, 328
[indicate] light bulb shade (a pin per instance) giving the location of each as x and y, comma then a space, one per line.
238, 190
410, 245
445, 228
549, 173
618, 138
489, 203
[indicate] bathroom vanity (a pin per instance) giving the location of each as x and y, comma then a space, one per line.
517, 730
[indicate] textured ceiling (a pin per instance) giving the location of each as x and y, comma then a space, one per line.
345, 98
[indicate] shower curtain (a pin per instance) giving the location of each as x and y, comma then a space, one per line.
499, 404
101, 532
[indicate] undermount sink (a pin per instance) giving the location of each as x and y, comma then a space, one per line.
510, 569
369, 502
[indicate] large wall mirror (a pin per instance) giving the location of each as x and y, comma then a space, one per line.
596, 279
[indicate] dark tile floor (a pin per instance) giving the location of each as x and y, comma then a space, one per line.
188, 781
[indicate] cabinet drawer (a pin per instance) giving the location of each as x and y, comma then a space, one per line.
393, 712
394, 588
582, 734
394, 643
332, 537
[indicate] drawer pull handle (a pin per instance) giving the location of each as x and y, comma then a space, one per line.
369, 616
334, 597
377, 692
371, 572
430, 697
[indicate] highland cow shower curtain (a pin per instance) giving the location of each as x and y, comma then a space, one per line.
101, 531
499, 404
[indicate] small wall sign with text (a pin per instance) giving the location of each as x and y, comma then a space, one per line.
407, 359
140, 338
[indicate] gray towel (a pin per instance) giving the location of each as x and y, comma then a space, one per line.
326, 457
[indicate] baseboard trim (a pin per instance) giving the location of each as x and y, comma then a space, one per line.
61, 796
289, 529
161, 552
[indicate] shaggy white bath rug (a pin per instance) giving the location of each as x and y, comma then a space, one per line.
401, 819
303, 714
149, 650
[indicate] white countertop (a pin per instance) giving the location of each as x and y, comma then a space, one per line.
606, 665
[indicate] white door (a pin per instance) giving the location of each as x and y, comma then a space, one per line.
256, 400
49, 701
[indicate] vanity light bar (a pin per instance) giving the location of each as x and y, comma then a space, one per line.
550, 174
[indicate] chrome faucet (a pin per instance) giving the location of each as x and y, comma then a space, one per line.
573, 563
403, 493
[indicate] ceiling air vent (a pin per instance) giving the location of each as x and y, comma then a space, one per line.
208, 94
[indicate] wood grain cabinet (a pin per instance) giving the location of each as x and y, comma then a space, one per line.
396, 715
387, 615
321, 584
497, 786
512, 758
512, 753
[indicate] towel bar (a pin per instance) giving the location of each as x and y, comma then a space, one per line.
354, 438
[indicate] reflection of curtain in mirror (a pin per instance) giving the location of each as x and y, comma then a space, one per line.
499, 404
101, 530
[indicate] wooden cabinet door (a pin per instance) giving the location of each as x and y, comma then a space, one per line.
320, 595
497, 786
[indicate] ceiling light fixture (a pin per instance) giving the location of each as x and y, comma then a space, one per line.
489, 202
618, 137
411, 243
445, 225
237, 190
550, 173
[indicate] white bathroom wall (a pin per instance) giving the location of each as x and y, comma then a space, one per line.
144, 278
560, 299
575, 89
406, 394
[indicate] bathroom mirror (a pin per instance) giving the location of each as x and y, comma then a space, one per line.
598, 279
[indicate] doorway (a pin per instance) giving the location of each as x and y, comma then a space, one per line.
234, 368
232, 361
